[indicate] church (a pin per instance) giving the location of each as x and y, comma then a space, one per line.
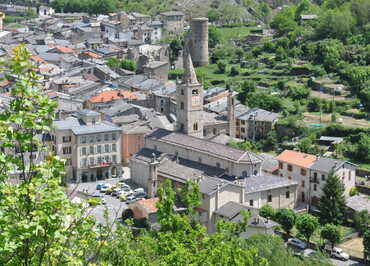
224, 174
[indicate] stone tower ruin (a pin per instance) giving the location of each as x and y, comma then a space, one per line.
199, 41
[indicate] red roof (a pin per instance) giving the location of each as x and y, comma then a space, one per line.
144, 207
38, 59
64, 50
93, 55
297, 158
107, 96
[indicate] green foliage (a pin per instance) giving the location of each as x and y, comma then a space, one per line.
307, 225
268, 102
362, 221
128, 65
176, 45
267, 211
213, 15
353, 191
286, 218
332, 202
366, 243
88, 6
331, 233
306, 145
234, 71
360, 150
214, 36
284, 22
298, 92
221, 66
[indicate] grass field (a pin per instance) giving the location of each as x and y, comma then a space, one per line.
314, 118
234, 33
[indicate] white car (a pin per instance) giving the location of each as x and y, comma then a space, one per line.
128, 192
130, 199
339, 254
297, 243
139, 190
116, 191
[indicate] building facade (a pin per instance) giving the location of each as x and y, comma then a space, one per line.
91, 147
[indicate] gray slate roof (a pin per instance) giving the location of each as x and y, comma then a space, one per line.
358, 203
266, 182
205, 146
326, 164
231, 209
93, 129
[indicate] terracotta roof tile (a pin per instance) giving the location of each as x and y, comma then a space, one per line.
297, 158
93, 55
107, 96
38, 59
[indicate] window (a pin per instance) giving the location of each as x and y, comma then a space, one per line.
98, 138
250, 202
218, 165
303, 172
106, 148
281, 165
91, 150
244, 173
242, 130
114, 136
302, 183
287, 194
114, 158
83, 139
290, 168
214, 131
91, 139
194, 92
68, 162
83, 151
83, 162
289, 177
98, 149
315, 175
116, 35
182, 106
92, 161
155, 147
323, 177
269, 198
182, 91
67, 150
314, 187
182, 127
195, 127
67, 139
107, 158
349, 175
106, 137
114, 147
242, 122
99, 160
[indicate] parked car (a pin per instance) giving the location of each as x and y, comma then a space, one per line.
130, 199
308, 252
109, 190
105, 187
116, 191
125, 187
139, 190
140, 194
339, 254
96, 195
128, 192
297, 243
99, 186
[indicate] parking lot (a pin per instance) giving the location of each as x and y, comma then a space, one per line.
114, 207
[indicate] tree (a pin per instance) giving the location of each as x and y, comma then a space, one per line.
214, 36
331, 233
267, 211
307, 225
221, 66
366, 242
128, 64
234, 71
286, 218
306, 145
38, 223
332, 202
362, 221
239, 52
213, 15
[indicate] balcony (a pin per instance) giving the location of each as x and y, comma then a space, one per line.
103, 164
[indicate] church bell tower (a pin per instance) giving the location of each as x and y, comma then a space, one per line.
189, 101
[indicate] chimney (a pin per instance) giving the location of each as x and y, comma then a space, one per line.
217, 196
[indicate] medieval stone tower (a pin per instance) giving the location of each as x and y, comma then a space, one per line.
231, 113
199, 41
189, 100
